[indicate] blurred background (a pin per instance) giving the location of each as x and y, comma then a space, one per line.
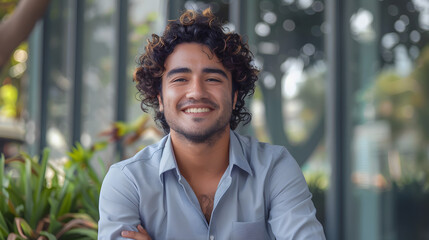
344, 85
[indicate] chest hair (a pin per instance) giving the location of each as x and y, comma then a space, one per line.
206, 204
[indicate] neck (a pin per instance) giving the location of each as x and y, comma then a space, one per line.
206, 159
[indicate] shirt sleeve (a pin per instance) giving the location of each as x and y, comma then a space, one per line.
118, 205
292, 214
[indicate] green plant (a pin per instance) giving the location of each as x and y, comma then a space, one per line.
37, 206
41, 199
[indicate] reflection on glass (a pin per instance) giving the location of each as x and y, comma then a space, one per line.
99, 87
390, 159
145, 18
288, 106
59, 85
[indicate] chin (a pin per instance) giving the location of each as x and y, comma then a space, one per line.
210, 135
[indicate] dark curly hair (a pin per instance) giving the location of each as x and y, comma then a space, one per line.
203, 28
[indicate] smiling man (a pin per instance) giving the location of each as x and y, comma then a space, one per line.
203, 180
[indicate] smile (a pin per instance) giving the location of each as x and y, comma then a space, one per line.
197, 110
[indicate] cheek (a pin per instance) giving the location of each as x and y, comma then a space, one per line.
227, 98
170, 98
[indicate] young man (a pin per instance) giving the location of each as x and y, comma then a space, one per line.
203, 180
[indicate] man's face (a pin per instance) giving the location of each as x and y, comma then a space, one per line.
196, 95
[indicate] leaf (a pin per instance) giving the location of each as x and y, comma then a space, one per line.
3, 198
42, 204
65, 204
75, 223
3, 226
90, 233
28, 204
24, 228
82, 216
102, 167
13, 236
99, 146
41, 179
48, 235
79, 154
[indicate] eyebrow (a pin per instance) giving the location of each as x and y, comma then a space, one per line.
215, 70
205, 70
178, 70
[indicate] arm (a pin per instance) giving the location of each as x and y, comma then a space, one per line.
292, 213
118, 206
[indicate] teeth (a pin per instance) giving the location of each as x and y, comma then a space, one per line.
197, 110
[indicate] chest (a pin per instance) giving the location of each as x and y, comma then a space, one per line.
181, 210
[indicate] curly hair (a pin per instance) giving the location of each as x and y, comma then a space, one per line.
206, 29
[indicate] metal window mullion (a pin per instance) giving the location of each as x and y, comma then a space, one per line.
44, 81
34, 88
336, 118
76, 65
121, 29
234, 14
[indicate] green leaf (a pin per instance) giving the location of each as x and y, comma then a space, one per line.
28, 231
3, 226
48, 235
54, 225
93, 175
42, 204
102, 167
79, 154
90, 233
66, 203
99, 146
41, 179
28, 204
2, 191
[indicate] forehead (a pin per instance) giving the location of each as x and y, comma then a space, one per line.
193, 56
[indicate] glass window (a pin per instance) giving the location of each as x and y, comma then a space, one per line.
287, 38
57, 85
98, 72
388, 61
145, 18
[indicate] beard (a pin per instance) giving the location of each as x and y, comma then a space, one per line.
208, 134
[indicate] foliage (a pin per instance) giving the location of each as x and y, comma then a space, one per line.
40, 199
40, 202
7, 7
318, 185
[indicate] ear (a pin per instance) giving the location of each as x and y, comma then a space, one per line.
161, 106
235, 99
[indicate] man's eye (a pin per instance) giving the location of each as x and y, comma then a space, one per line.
213, 80
179, 80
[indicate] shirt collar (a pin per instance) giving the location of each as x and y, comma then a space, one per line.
236, 153
236, 156
168, 161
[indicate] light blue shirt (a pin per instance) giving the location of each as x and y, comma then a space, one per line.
261, 195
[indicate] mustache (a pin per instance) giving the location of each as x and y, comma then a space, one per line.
204, 101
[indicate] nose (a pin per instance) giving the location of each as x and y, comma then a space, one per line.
196, 89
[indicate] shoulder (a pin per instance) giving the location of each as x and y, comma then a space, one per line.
142, 167
148, 156
263, 153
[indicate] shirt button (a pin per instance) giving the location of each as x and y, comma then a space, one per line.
211, 237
